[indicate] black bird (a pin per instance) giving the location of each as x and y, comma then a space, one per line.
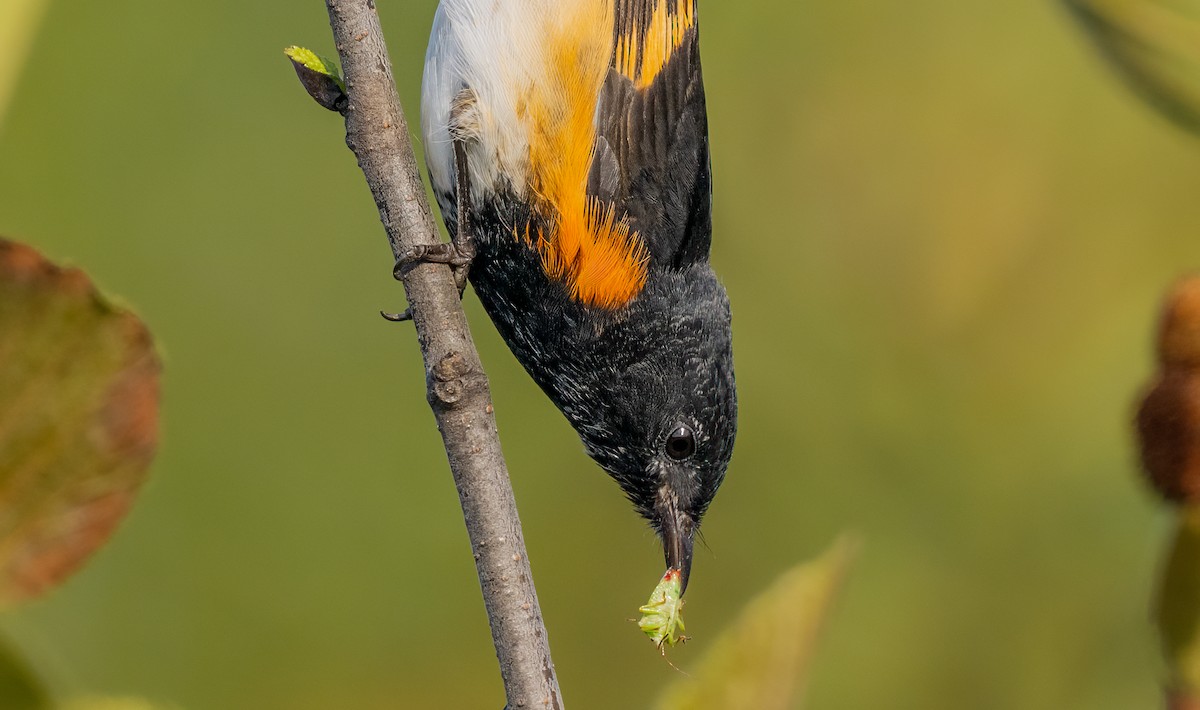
567, 142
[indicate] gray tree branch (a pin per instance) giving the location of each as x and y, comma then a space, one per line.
458, 390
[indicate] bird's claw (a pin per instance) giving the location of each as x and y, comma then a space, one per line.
407, 315
457, 257
458, 253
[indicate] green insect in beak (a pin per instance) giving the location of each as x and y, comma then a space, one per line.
662, 616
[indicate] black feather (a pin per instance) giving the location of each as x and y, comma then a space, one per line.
659, 136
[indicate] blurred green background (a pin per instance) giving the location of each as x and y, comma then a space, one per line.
944, 226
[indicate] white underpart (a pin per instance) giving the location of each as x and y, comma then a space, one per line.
495, 49
491, 47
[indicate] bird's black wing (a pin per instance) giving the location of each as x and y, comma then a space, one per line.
651, 156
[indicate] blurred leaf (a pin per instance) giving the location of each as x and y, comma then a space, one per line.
1179, 604
1155, 45
19, 689
78, 419
93, 703
1168, 419
761, 661
19, 20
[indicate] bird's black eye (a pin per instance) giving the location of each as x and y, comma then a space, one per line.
681, 444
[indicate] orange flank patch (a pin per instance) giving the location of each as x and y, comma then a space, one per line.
602, 262
589, 247
641, 59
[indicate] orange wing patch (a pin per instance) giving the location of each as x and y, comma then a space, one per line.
641, 54
589, 248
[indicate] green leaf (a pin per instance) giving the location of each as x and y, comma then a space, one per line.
19, 688
78, 419
92, 703
1155, 46
1179, 604
320, 77
19, 21
760, 662
314, 62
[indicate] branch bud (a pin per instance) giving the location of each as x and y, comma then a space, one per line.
320, 77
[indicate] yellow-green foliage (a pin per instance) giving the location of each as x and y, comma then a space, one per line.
19, 22
1179, 603
761, 660
311, 60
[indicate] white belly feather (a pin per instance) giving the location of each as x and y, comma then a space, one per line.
502, 51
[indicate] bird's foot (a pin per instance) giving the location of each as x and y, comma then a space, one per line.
459, 252
458, 256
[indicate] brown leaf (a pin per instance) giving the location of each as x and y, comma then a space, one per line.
79, 380
1168, 426
1168, 420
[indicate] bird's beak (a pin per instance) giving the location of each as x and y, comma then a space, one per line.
677, 534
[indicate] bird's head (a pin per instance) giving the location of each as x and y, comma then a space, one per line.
664, 424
